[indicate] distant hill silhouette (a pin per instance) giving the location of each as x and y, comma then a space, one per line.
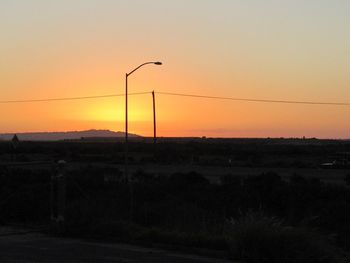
69, 135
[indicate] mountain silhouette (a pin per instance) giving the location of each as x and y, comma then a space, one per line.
69, 135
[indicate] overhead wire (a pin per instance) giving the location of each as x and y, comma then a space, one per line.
71, 98
182, 95
255, 100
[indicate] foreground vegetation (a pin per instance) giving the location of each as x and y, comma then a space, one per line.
263, 218
257, 219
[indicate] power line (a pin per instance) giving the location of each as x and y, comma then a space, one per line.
179, 94
256, 100
71, 98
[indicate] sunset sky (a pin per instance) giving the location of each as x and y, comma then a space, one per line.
271, 49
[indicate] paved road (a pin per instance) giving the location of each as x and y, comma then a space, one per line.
38, 248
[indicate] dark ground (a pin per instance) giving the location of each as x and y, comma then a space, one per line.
30, 248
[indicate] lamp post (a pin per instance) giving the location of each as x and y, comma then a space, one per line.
126, 114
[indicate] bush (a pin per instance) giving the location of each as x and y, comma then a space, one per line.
256, 238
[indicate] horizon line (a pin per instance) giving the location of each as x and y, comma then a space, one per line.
174, 137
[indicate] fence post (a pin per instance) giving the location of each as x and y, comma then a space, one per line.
58, 198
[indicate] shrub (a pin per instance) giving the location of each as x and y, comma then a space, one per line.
256, 238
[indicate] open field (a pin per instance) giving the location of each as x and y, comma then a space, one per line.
212, 158
214, 173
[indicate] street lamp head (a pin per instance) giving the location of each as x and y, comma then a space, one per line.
147, 63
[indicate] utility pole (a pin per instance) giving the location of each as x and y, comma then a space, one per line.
154, 126
154, 119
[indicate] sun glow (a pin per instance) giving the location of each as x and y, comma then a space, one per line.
104, 113
114, 110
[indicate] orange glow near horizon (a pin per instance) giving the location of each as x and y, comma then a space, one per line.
176, 116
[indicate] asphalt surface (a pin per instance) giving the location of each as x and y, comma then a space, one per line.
33, 247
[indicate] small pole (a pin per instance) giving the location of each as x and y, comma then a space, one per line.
14, 143
58, 198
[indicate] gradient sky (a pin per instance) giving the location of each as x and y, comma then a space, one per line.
272, 49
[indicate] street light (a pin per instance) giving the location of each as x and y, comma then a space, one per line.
126, 113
